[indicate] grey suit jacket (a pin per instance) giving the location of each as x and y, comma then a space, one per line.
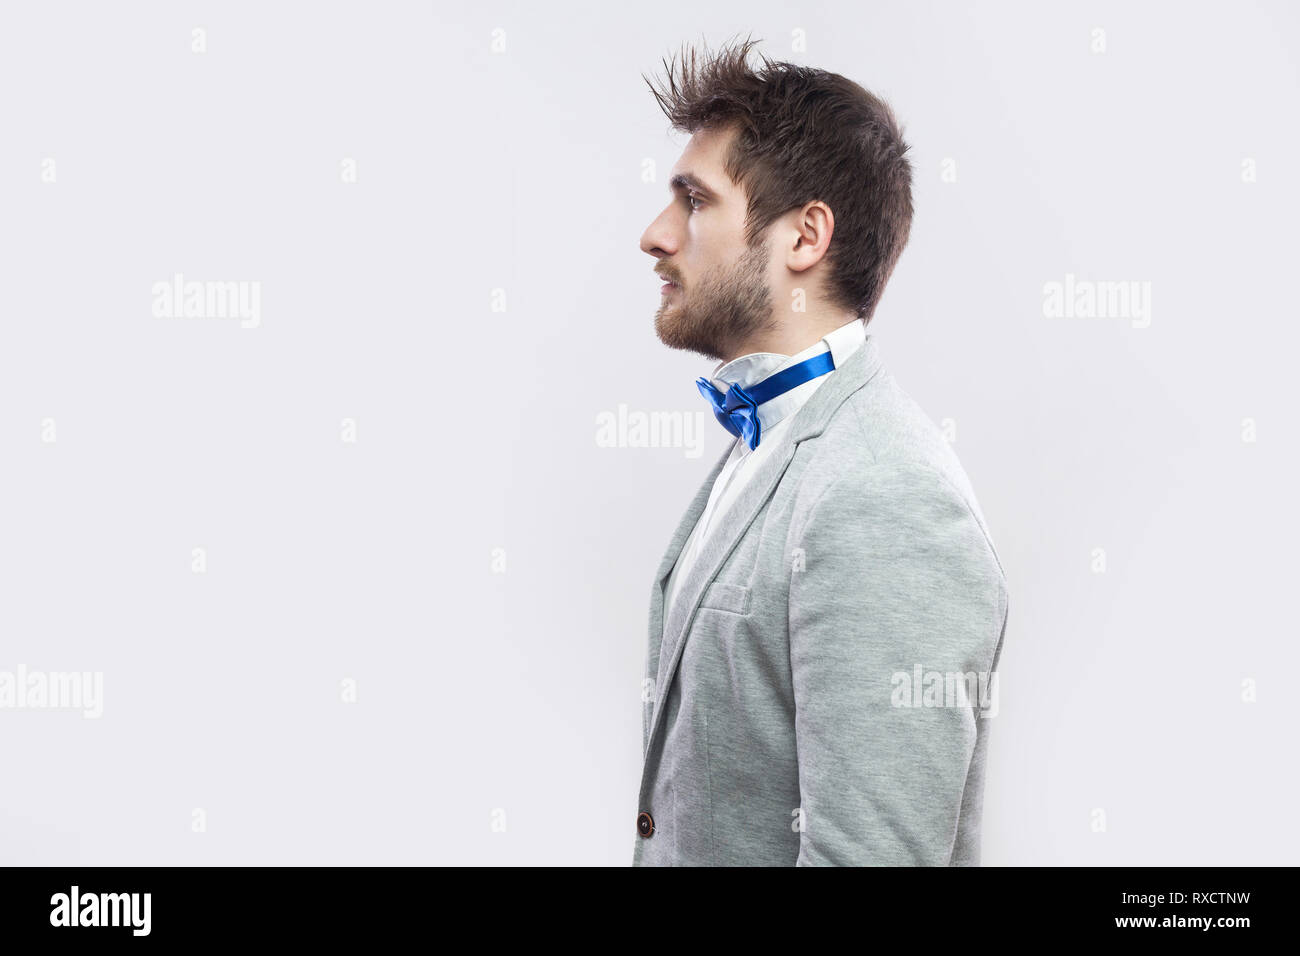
792, 715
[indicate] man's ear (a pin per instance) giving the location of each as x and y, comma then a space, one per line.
812, 229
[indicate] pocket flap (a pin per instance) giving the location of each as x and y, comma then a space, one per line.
727, 597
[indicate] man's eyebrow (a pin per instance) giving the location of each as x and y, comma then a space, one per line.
691, 181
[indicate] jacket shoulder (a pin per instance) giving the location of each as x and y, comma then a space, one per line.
881, 442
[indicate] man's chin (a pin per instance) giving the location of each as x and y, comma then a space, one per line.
676, 334
669, 327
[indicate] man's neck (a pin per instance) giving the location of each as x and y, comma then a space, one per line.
791, 337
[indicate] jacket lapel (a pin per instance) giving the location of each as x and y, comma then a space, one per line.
674, 551
808, 422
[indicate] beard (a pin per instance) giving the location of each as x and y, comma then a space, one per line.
725, 308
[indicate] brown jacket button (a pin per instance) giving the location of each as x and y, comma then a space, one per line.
645, 824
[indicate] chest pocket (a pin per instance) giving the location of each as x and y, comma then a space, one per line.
726, 597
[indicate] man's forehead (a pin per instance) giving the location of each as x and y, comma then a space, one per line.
701, 166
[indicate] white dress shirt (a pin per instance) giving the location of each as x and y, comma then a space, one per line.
774, 417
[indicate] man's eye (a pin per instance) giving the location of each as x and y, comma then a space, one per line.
691, 198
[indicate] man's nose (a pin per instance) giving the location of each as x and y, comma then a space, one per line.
659, 239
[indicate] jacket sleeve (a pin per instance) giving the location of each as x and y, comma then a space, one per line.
896, 580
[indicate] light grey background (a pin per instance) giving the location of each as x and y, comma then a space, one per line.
498, 716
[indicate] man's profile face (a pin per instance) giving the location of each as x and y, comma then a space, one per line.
720, 294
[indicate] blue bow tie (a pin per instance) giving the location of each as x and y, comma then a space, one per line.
737, 410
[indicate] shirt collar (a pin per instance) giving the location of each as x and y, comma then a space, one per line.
748, 370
